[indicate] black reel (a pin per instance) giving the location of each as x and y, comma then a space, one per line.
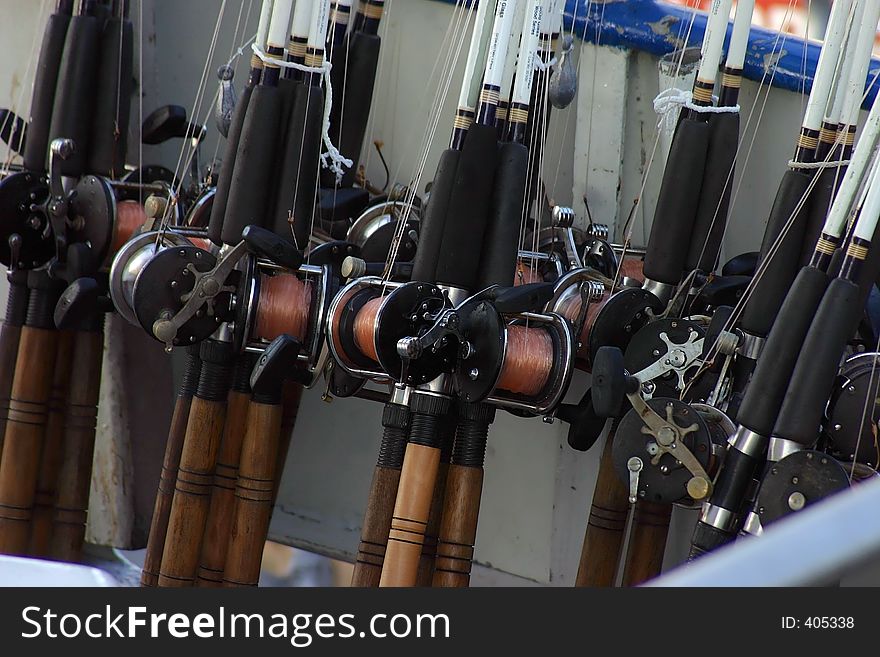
621, 317
661, 477
797, 481
410, 311
22, 207
91, 215
853, 412
669, 349
161, 289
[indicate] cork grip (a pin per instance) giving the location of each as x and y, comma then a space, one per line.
377, 524
647, 542
53, 450
80, 421
192, 493
25, 428
216, 540
410, 519
253, 495
165, 493
605, 527
458, 529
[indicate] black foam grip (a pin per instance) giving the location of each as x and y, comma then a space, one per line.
676, 208
249, 188
74, 103
501, 242
814, 375
434, 221
468, 211
766, 298
734, 480
360, 80
221, 195
820, 203
298, 175
766, 389
43, 98
711, 218
113, 99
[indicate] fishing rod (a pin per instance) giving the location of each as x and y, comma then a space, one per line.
680, 207
352, 320
58, 250
723, 514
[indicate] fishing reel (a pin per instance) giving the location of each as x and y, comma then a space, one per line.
851, 418
370, 316
511, 354
248, 295
376, 230
47, 217
793, 483
664, 450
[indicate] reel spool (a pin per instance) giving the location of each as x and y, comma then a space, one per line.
373, 232
273, 300
795, 482
611, 320
853, 412
654, 475
519, 362
365, 325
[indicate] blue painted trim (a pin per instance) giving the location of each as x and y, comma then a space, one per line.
654, 26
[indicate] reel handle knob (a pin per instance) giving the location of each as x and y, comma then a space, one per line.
265, 243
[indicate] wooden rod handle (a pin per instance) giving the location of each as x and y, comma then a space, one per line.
253, 495
411, 510
458, 529
377, 524
425, 576
219, 522
25, 428
192, 493
170, 463
606, 525
80, 419
10, 334
647, 542
291, 395
9, 338
53, 450
165, 492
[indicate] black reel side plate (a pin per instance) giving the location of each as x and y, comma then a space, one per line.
621, 317
18, 193
655, 485
159, 287
813, 475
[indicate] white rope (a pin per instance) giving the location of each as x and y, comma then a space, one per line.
792, 164
332, 159
669, 103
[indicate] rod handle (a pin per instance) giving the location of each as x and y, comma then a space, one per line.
253, 496
80, 421
458, 528
603, 538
